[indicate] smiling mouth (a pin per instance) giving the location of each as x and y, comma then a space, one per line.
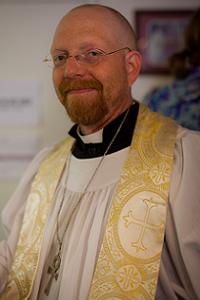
80, 87
80, 91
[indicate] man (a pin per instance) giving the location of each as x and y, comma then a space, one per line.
88, 219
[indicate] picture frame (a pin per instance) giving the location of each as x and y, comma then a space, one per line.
159, 35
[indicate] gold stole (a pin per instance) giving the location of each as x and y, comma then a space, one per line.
129, 259
128, 263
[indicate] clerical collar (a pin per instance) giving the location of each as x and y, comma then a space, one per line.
94, 145
94, 138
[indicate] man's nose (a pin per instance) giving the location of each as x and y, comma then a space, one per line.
73, 67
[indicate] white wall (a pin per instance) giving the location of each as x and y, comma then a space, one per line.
25, 38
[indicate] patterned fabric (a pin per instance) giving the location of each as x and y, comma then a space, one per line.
38, 204
179, 100
128, 263
142, 152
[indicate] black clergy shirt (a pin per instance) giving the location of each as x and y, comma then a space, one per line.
123, 139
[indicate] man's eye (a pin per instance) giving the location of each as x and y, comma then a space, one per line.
93, 53
59, 59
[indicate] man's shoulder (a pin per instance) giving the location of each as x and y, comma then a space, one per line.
188, 136
59, 149
52, 148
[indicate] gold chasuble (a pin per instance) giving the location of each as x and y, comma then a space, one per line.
129, 259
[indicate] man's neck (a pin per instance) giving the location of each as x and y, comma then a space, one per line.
87, 147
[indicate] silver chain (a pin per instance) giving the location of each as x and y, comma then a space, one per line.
57, 257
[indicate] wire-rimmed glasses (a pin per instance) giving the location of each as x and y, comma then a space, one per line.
90, 57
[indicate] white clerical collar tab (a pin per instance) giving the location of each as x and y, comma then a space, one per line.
96, 137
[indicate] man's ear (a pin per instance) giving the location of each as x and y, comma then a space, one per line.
133, 65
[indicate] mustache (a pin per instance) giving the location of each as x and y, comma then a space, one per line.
69, 85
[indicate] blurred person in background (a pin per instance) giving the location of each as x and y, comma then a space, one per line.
181, 99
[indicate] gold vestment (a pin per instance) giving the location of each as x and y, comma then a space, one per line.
128, 263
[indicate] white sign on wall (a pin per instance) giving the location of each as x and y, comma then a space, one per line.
20, 103
16, 152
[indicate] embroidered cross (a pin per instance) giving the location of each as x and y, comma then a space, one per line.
53, 270
144, 224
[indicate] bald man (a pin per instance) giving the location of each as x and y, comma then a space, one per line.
112, 212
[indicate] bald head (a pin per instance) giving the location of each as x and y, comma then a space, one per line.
111, 22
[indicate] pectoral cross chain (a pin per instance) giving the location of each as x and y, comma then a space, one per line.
53, 270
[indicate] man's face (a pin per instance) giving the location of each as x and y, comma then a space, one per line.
92, 93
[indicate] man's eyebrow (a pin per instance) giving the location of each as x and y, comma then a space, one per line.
61, 50
84, 47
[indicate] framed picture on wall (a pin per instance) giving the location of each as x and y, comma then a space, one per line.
160, 34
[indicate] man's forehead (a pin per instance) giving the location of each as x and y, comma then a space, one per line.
82, 42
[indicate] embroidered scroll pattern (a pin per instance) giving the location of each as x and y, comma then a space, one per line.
129, 259
36, 212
